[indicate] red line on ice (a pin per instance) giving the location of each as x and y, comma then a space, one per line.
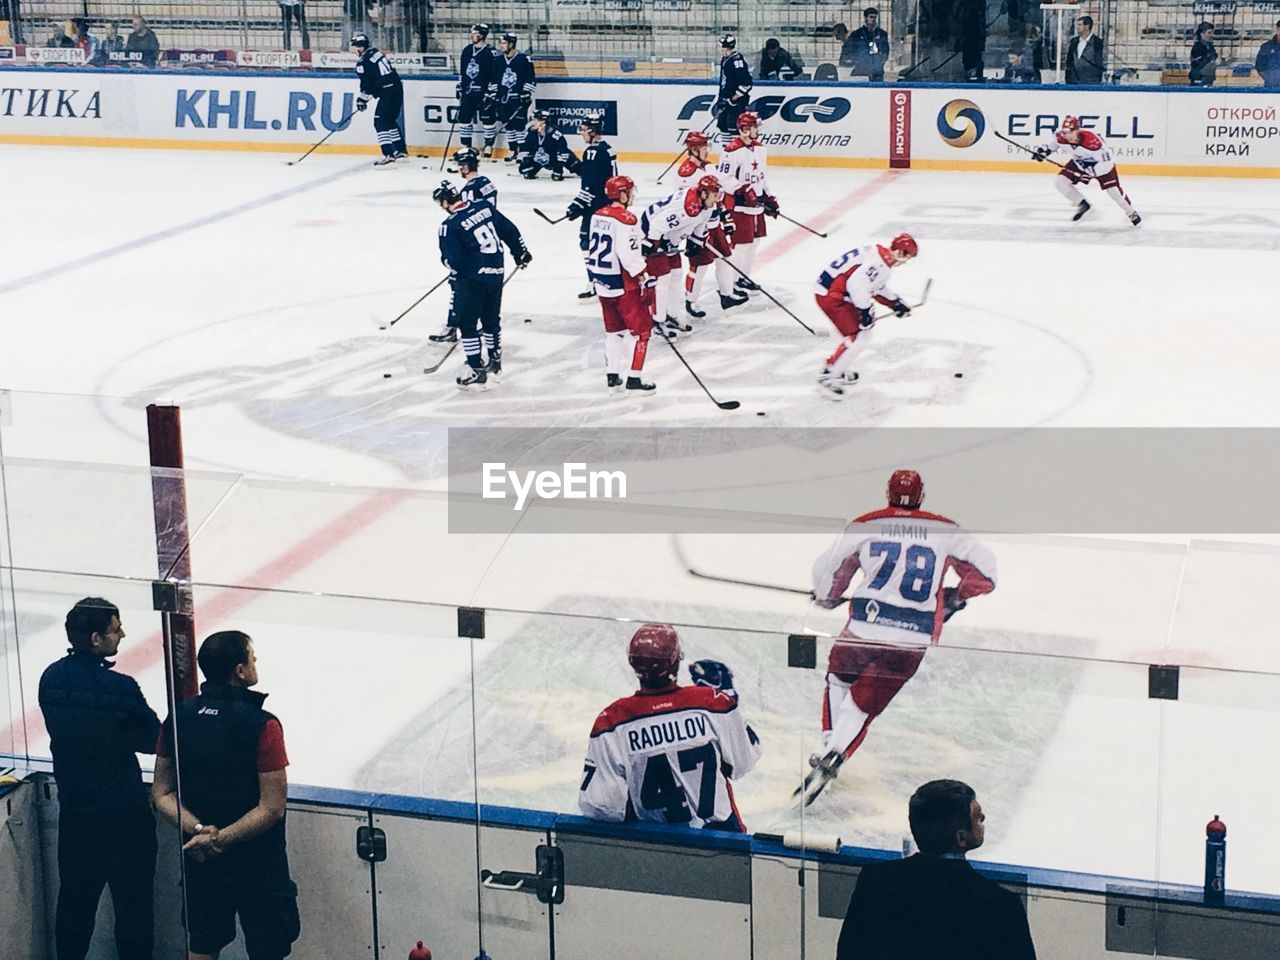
830, 215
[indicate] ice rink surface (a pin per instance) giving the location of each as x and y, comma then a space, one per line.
250, 293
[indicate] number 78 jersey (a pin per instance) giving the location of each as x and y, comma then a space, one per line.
667, 756
904, 555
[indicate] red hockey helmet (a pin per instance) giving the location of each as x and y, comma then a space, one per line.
654, 653
1070, 123
906, 489
905, 243
748, 119
696, 138
614, 186
709, 182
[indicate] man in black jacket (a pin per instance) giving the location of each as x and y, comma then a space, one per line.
1085, 56
867, 48
777, 62
231, 761
933, 905
98, 721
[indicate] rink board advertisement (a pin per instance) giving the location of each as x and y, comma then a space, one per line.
854, 125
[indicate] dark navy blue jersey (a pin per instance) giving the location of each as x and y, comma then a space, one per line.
479, 189
377, 75
471, 241
517, 81
735, 77
598, 164
479, 69
548, 148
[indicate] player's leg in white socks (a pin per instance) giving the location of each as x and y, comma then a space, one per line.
617, 349
724, 278
846, 719
1121, 199
1068, 189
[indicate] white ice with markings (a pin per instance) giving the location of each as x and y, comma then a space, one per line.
251, 294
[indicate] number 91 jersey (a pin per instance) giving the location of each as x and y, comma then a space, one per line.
667, 756
904, 556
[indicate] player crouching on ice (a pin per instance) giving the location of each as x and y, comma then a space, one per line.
666, 753
1090, 159
616, 267
845, 292
895, 614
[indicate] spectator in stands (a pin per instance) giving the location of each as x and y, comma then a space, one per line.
1268, 62
86, 41
1036, 45
114, 43
231, 762
971, 37
418, 16
9, 10
1204, 58
1085, 56
777, 63
59, 37
98, 720
297, 10
1020, 68
355, 19
934, 905
142, 39
866, 49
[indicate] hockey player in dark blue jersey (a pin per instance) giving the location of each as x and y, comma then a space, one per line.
544, 147
597, 165
476, 188
478, 69
735, 86
516, 84
471, 241
379, 80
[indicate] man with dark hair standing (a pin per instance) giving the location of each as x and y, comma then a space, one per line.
231, 762
98, 721
1085, 55
866, 49
516, 85
1267, 62
934, 905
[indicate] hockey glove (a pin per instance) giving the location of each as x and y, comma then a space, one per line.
711, 673
523, 258
649, 249
577, 208
362, 103
694, 248
951, 602
900, 308
727, 225
1040, 154
747, 197
866, 319
770, 205
557, 175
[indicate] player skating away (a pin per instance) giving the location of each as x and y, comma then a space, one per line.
476, 188
845, 292
744, 163
544, 147
379, 80
471, 241
719, 230
1091, 159
479, 67
667, 225
735, 86
516, 85
666, 753
899, 606
616, 268
597, 165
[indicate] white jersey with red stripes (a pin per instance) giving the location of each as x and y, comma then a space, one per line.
613, 253
667, 756
1091, 153
859, 276
744, 165
669, 222
903, 555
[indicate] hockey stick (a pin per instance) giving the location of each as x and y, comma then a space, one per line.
693, 571
816, 233
1025, 149
683, 152
779, 303
341, 125
548, 219
440, 363
722, 404
437, 286
444, 158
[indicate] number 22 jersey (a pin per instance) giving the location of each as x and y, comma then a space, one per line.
667, 756
904, 555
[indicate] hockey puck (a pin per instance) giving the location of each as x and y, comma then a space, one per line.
959, 375
527, 320
760, 413
386, 376
382, 326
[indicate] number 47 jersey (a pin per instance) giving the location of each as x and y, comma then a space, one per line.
667, 756
904, 555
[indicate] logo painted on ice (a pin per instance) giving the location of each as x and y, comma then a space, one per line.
961, 123
790, 109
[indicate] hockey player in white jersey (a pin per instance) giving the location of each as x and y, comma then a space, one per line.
667, 224
846, 292
718, 240
1091, 159
744, 163
899, 606
666, 753
616, 267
